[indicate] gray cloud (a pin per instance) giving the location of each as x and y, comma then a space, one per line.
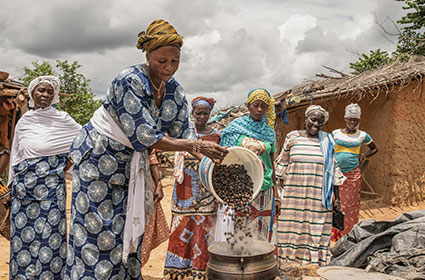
66, 27
230, 46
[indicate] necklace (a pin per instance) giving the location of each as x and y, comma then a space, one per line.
208, 130
153, 85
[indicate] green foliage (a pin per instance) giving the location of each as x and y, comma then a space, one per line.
375, 60
412, 37
79, 101
411, 40
43, 69
3, 178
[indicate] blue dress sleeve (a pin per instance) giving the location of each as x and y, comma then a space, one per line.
134, 114
182, 127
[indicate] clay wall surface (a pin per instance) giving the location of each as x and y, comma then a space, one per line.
397, 125
408, 169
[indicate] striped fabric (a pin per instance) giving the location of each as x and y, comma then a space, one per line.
304, 225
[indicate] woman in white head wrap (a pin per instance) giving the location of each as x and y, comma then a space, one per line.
39, 159
348, 142
309, 172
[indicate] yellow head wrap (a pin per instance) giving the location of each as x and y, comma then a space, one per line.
263, 95
159, 33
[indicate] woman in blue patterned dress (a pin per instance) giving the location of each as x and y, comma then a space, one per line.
112, 188
39, 159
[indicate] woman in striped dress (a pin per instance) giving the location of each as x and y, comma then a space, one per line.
309, 172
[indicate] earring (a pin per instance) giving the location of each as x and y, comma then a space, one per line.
147, 63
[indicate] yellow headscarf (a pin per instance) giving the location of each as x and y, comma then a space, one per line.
159, 33
263, 95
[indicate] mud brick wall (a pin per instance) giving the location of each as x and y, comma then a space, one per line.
396, 122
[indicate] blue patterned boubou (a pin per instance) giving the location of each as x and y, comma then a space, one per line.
38, 219
102, 170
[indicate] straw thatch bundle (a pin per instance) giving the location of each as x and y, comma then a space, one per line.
385, 80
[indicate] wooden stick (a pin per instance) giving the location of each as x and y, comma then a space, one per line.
371, 193
12, 134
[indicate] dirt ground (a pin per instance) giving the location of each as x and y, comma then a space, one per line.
370, 209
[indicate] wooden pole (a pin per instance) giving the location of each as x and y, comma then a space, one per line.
12, 133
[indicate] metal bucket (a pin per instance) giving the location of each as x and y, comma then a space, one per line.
260, 265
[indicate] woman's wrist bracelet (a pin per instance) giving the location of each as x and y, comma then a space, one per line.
196, 146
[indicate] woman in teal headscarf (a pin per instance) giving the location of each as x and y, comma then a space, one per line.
255, 132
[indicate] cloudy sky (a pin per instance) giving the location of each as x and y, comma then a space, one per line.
230, 46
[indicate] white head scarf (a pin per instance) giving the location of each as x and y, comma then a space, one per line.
51, 80
352, 111
316, 108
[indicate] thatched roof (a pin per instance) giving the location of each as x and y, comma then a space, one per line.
13, 102
388, 79
238, 111
372, 83
11, 88
14, 92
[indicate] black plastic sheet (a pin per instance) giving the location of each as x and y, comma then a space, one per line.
394, 247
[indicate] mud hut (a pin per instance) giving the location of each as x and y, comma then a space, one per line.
13, 103
393, 113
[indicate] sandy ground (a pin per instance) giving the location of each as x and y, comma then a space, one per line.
370, 209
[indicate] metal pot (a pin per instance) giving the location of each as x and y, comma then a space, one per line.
261, 264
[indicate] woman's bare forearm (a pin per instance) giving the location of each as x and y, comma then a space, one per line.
373, 149
155, 173
172, 144
196, 148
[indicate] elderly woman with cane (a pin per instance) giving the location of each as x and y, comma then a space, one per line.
348, 142
310, 177
39, 159
112, 185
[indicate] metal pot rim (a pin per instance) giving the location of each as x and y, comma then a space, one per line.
212, 250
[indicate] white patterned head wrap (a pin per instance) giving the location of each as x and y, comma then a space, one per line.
353, 111
51, 80
316, 109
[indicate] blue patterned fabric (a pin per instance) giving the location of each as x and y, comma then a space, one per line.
327, 146
130, 101
247, 126
38, 219
102, 170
